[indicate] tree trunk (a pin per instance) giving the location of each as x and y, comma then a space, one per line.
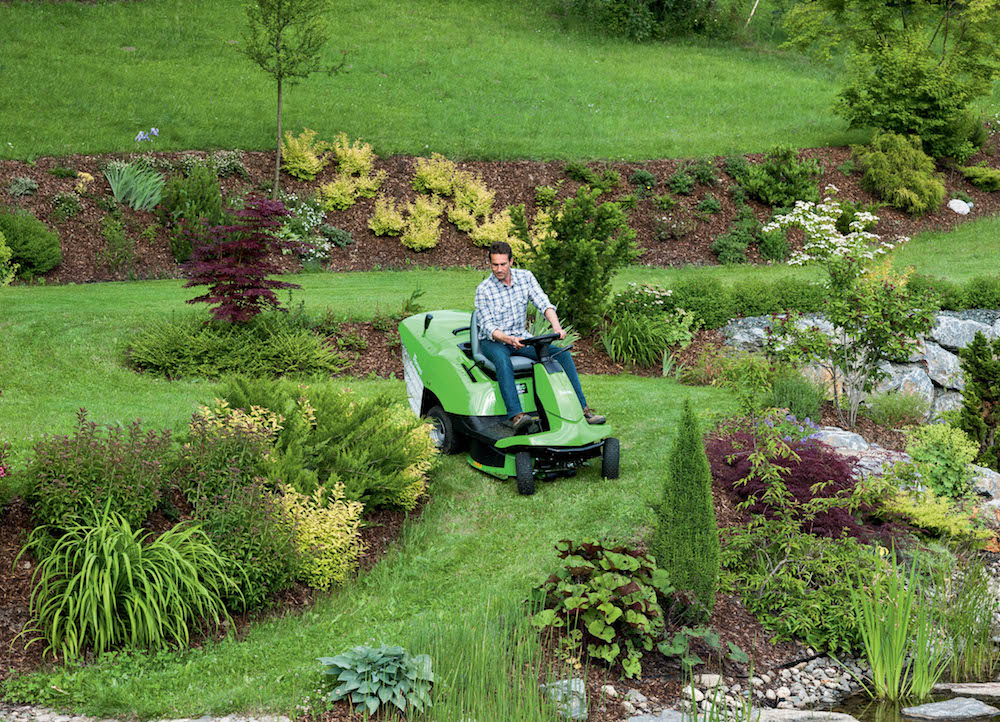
277, 154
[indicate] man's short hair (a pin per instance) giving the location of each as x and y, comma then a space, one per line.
501, 247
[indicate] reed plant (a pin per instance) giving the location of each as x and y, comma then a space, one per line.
968, 608
898, 633
102, 585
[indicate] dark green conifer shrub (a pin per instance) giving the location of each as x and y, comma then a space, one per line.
781, 178
189, 205
898, 171
980, 414
577, 260
685, 540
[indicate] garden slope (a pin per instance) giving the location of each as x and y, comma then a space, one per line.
513, 181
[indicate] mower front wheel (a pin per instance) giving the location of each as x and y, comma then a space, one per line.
443, 431
609, 458
524, 467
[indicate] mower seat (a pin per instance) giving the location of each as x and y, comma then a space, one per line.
522, 364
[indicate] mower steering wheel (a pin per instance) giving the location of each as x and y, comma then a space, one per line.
539, 340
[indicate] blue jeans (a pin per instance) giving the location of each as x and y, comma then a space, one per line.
500, 353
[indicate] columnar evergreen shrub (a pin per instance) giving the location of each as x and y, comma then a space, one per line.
34, 248
575, 260
685, 539
235, 262
898, 171
980, 415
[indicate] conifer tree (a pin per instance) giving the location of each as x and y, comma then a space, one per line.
980, 415
686, 540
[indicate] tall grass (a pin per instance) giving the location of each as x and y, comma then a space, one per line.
898, 634
488, 665
968, 608
466, 78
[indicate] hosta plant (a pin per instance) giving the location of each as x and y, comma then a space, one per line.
372, 676
605, 597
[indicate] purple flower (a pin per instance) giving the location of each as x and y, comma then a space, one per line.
141, 136
155, 132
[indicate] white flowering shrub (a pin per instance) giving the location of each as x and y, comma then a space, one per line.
824, 242
875, 316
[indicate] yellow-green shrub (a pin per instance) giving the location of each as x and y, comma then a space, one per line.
936, 515
472, 194
386, 219
434, 175
988, 179
498, 227
355, 158
304, 157
462, 218
7, 269
421, 450
423, 225
338, 194
367, 186
941, 455
897, 170
327, 534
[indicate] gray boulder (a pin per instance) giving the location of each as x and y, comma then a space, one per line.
803, 715
943, 366
915, 381
841, 439
955, 333
985, 482
570, 696
666, 715
948, 401
958, 708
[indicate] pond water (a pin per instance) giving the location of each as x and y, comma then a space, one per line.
862, 707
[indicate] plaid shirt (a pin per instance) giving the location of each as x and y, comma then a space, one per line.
506, 307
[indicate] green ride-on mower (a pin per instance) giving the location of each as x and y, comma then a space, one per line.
451, 383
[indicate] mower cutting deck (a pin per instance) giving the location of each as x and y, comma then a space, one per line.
452, 384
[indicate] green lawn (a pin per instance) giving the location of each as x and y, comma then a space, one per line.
466, 78
477, 540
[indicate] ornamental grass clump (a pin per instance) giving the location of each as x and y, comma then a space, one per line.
134, 184
102, 585
899, 634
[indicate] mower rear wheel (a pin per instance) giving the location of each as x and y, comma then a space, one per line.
524, 467
443, 431
609, 458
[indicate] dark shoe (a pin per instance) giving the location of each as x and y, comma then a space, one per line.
522, 422
593, 418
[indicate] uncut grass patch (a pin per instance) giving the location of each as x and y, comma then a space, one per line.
495, 81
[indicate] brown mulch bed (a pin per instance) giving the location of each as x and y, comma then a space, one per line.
381, 530
513, 182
